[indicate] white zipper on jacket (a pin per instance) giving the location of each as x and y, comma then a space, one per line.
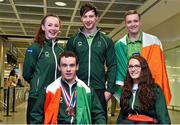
134, 97
89, 65
134, 90
89, 62
70, 90
53, 44
37, 84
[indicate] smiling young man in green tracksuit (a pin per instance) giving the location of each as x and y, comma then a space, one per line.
94, 49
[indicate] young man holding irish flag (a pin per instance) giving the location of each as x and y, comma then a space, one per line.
68, 100
148, 46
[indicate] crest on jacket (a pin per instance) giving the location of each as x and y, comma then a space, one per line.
79, 43
47, 54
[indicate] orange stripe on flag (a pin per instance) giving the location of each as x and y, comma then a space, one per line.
154, 56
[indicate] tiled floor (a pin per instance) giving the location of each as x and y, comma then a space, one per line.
19, 116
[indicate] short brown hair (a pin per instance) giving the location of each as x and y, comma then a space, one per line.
129, 12
87, 7
67, 54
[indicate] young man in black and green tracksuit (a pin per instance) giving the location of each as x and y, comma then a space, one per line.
68, 100
94, 49
84, 114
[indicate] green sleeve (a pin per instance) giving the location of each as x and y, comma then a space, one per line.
97, 112
121, 60
37, 113
161, 107
111, 66
69, 45
30, 60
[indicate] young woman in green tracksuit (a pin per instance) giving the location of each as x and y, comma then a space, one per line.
40, 64
141, 95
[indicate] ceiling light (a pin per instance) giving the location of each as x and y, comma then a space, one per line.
1, 0
62, 4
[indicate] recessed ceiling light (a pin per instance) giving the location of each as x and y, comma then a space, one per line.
62, 4
1, 0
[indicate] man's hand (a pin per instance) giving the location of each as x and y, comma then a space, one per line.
107, 95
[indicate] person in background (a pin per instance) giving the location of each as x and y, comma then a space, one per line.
40, 63
148, 46
6, 85
19, 83
13, 78
9, 82
68, 100
141, 95
94, 50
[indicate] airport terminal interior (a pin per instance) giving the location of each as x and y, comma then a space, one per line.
19, 22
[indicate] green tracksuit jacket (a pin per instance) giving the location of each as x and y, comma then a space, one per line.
158, 111
40, 66
92, 59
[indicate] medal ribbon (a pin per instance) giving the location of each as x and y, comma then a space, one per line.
69, 99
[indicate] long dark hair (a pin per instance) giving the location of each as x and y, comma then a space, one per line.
40, 35
145, 87
12, 73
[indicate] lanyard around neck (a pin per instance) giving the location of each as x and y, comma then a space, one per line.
69, 99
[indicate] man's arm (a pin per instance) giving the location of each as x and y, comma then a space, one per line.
121, 60
30, 60
111, 69
69, 45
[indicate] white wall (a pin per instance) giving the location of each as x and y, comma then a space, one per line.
173, 69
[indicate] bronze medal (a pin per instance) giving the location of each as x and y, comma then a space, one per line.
70, 111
